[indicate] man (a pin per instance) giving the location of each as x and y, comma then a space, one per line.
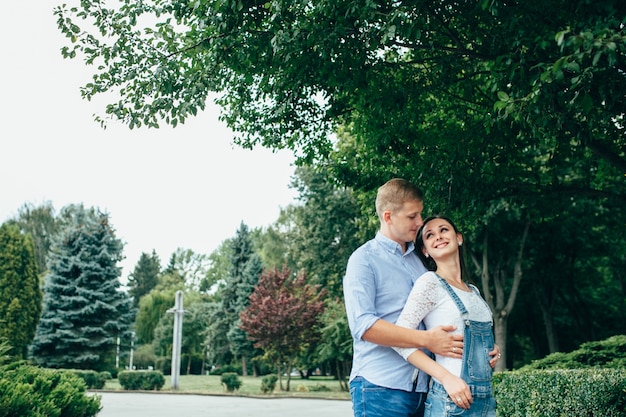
379, 277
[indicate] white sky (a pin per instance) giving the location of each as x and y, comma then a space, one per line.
187, 187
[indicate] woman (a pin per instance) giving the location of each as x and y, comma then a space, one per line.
443, 295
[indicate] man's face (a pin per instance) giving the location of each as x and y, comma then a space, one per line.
404, 223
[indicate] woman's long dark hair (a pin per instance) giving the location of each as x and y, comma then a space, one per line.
430, 263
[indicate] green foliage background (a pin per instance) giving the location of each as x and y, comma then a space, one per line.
510, 116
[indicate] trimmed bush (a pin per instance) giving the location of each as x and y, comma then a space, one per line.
141, 380
556, 393
268, 384
106, 375
28, 391
93, 379
608, 353
231, 381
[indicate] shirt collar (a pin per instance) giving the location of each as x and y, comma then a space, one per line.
393, 246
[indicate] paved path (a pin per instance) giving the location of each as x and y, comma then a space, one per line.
124, 404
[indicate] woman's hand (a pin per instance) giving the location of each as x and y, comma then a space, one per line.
458, 391
495, 356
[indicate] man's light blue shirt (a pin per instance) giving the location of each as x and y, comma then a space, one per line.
378, 280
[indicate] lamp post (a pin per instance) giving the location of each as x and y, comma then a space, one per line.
117, 354
177, 337
132, 347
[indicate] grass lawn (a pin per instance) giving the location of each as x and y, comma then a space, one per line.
315, 387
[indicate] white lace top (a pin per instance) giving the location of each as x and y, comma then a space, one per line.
429, 301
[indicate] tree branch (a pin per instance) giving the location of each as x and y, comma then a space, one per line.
517, 275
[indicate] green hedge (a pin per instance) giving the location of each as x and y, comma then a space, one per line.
28, 391
607, 353
141, 380
557, 393
93, 379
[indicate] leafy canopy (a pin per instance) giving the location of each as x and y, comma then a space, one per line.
290, 72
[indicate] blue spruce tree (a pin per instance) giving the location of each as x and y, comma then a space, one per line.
84, 308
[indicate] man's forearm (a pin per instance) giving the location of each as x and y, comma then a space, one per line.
438, 340
388, 334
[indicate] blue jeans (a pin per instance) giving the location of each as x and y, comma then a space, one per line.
438, 404
369, 400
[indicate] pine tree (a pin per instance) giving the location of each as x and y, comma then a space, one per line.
244, 271
144, 277
84, 310
20, 295
238, 340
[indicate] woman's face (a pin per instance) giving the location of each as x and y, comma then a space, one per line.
440, 239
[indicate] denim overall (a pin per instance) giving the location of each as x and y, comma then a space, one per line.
476, 371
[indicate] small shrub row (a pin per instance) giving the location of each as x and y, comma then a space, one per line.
93, 379
141, 380
29, 391
556, 393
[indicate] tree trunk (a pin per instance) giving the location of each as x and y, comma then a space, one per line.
501, 326
280, 376
244, 366
289, 366
341, 376
203, 365
501, 306
545, 305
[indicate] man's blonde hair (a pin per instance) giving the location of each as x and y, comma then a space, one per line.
394, 193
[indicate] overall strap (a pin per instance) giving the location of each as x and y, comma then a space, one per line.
455, 298
475, 290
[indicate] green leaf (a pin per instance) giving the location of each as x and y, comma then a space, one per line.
560, 37
499, 105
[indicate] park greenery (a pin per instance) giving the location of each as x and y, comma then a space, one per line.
32, 391
510, 116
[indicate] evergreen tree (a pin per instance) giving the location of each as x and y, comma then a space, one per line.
20, 295
245, 268
237, 338
144, 277
84, 310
